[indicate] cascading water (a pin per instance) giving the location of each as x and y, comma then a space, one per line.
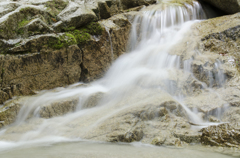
147, 74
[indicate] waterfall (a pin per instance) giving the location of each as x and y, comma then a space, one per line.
147, 73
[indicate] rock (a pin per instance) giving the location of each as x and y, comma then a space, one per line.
188, 137
93, 100
7, 8
8, 113
229, 6
222, 135
59, 108
37, 71
213, 119
35, 27
131, 136
162, 111
134, 3
158, 141
232, 115
78, 18
53, 49
43, 43
173, 142
104, 10
97, 59
11, 24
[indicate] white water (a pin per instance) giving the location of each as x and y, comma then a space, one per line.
147, 71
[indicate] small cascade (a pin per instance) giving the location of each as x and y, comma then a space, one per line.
110, 39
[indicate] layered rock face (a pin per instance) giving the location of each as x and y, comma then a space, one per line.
47, 44
229, 6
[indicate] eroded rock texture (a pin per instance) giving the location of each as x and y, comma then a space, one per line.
222, 135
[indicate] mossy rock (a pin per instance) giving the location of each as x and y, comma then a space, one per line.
11, 26
83, 34
55, 6
64, 40
43, 42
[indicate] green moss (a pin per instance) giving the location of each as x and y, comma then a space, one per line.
23, 23
81, 36
62, 41
20, 32
94, 28
69, 29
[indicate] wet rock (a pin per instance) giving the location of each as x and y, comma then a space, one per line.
229, 6
97, 59
173, 142
35, 27
232, 115
93, 100
80, 17
213, 119
132, 136
158, 141
222, 135
170, 105
188, 137
104, 10
8, 113
54, 7
59, 108
38, 71
38, 43
11, 24
133, 3
7, 8
162, 111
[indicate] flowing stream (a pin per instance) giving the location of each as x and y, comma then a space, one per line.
143, 75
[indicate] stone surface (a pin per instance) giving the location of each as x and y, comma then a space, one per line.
64, 63
22, 74
229, 6
222, 135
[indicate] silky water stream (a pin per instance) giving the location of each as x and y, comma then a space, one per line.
147, 75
